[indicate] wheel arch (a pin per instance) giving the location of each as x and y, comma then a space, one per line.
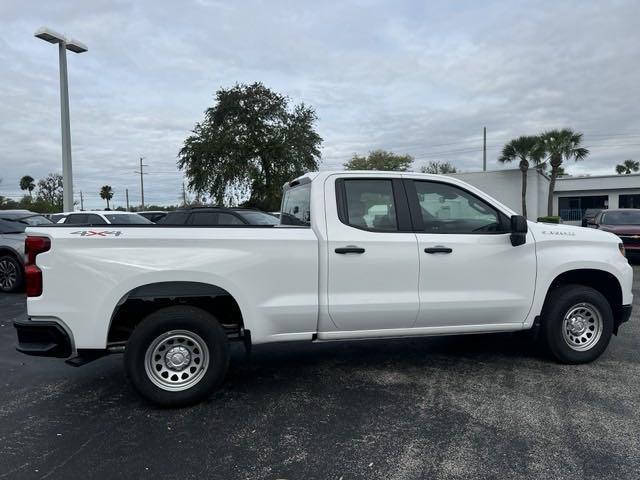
6, 250
143, 300
601, 280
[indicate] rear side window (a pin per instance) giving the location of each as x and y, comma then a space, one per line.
95, 219
370, 205
212, 219
296, 206
77, 219
175, 218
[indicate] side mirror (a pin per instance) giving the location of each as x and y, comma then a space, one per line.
519, 230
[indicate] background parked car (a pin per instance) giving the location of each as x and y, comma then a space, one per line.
153, 215
589, 215
11, 255
104, 218
218, 217
624, 222
24, 216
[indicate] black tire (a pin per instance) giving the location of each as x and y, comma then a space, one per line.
556, 335
161, 326
14, 283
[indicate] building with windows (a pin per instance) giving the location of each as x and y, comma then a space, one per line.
572, 196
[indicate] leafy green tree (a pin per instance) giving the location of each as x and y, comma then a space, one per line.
380, 160
27, 183
249, 144
439, 168
50, 191
106, 193
527, 149
627, 167
560, 145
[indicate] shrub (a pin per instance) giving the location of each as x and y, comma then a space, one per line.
550, 219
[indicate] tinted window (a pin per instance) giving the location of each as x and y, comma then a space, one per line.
296, 206
95, 219
258, 218
630, 217
127, 219
449, 209
7, 226
76, 219
370, 204
175, 218
219, 219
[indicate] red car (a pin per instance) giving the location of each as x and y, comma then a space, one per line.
624, 222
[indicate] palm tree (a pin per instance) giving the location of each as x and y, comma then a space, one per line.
527, 149
106, 193
560, 145
26, 183
627, 167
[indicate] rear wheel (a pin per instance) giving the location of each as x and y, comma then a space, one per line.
577, 324
11, 277
177, 356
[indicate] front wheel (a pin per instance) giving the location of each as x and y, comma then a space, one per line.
177, 356
577, 324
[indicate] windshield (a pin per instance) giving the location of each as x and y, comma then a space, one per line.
630, 217
258, 218
7, 226
127, 219
296, 206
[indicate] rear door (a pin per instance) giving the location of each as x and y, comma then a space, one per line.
372, 253
470, 274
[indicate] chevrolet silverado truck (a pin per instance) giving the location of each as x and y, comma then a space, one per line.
358, 255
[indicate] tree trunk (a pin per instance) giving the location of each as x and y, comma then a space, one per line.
524, 193
524, 166
552, 187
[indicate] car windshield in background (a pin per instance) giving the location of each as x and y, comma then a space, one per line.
258, 218
632, 217
7, 226
127, 219
32, 220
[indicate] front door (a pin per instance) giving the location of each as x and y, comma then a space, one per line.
470, 274
373, 260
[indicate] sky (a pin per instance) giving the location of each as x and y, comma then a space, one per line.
416, 77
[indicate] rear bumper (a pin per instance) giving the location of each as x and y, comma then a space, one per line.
42, 339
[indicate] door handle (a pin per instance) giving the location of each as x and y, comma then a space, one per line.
344, 250
438, 249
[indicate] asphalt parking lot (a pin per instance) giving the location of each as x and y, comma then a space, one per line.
473, 407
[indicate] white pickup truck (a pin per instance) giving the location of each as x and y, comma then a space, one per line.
358, 255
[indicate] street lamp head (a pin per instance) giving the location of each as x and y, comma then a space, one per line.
49, 35
76, 46
54, 37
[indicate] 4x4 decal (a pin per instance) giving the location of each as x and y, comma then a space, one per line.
98, 233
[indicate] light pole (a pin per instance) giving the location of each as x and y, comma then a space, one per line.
75, 46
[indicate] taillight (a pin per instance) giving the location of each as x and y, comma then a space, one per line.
32, 274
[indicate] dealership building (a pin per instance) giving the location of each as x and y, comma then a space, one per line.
573, 195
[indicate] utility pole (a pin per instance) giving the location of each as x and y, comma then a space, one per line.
141, 172
484, 149
126, 194
81, 202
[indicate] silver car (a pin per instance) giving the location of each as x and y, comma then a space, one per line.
11, 255
12, 226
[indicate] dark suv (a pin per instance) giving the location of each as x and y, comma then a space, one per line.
218, 217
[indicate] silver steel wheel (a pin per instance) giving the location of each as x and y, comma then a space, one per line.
177, 360
582, 327
8, 274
